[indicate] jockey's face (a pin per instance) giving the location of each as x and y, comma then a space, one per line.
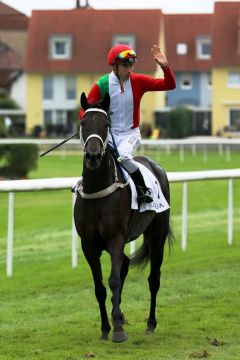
123, 70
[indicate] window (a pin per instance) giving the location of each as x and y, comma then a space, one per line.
61, 117
186, 81
55, 122
234, 79
60, 47
47, 117
128, 39
71, 88
204, 47
181, 49
235, 118
47, 88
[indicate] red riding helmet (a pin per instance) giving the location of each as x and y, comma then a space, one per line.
121, 53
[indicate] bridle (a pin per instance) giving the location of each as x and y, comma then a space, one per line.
110, 189
103, 142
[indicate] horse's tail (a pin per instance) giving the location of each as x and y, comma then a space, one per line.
140, 257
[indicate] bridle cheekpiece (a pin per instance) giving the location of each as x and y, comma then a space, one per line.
104, 143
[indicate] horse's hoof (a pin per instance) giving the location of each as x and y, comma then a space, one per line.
149, 330
119, 336
104, 336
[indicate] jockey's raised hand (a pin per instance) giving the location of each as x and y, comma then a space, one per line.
159, 57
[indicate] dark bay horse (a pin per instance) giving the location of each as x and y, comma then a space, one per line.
104, 219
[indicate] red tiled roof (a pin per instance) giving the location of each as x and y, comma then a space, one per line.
185, 28
92, 32
225, 34
11, 19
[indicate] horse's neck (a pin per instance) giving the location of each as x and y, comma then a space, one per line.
101, 178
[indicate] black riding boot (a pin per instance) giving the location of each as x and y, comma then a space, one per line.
144, 193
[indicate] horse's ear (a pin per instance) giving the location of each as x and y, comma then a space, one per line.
106, 102
83, 101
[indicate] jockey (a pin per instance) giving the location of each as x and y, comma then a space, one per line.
126, 89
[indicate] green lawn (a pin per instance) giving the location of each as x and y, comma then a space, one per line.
49, 311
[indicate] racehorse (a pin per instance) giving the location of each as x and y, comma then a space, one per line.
104, 219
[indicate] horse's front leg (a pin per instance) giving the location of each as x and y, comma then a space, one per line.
115, 249
93, 259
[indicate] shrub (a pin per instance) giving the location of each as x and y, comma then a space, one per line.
2, 128
7, 103
18, 160
179, 123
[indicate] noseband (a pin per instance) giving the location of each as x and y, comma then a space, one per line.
104, 143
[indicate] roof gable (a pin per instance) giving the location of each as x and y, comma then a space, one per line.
11, 19
185, 29
92, 32
226, 34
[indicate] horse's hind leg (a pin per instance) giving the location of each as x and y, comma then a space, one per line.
124, 272
156, 235
93, 259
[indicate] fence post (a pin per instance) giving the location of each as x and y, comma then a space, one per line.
228, 153
184, 216
10, 234
194, 149
181, 153
74, 237
205, 153
230, 211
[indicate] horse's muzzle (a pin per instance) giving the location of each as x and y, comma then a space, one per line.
93, 160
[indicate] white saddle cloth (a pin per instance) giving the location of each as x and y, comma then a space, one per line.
159, 203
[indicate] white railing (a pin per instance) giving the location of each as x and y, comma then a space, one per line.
223, 145
12, 186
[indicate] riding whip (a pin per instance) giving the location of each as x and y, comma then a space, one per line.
61, 143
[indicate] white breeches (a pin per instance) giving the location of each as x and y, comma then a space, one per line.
127, 143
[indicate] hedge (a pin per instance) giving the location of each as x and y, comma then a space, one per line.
17, 160
179, 123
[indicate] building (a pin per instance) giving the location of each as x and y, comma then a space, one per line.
13, 37
226, 67
69, 54
188, 47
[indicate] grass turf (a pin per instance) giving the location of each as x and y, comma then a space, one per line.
49, 311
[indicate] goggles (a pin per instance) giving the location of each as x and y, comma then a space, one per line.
127, 55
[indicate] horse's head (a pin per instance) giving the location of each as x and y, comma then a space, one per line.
94, 130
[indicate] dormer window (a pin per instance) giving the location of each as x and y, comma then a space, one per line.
128, 39
204, 47
181, 49
60, 47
